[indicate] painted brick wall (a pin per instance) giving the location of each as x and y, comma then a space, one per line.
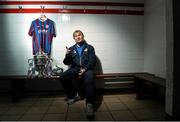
155, 37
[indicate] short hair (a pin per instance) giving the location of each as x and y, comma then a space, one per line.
78, 31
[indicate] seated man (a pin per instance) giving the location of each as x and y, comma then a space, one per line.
82, 60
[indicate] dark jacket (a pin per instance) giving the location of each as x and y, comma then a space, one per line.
87, 60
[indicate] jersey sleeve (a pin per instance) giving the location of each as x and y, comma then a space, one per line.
31, 29
53, 30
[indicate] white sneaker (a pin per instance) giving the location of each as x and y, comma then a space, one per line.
89, 110
71, 101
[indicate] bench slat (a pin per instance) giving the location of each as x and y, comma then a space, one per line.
152, 78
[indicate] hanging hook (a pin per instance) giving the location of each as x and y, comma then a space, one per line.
42, 9
20, 8
84, 10
105, 10
64, 9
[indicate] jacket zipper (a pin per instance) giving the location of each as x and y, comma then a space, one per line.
80, 61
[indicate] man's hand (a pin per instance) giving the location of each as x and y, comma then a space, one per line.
68, 51
81, 72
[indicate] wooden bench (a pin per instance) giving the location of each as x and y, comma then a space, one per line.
17, 82
143, 83
146, 82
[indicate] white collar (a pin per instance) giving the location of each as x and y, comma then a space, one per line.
43, 19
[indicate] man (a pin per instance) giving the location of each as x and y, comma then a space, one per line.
81, 59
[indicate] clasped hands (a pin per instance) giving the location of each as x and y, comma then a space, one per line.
81, 71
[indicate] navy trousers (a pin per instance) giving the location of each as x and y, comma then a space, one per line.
84, 86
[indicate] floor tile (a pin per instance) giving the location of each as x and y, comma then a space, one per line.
76, 108
116, 106
6, 104
24, 103
59, 98
46, 98
10, 117
143, 104
134, 104
58, 103
147, 114
123, 115
30, 98
127, 98
111, 99
103, 116
150, 104
4, 110
77, 117
31, 117
37, 110
42, 103
101, 107
16, 111
54, 117
57, 109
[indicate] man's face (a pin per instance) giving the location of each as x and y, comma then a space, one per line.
78, 37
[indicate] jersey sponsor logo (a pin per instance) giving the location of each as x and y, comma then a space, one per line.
42, 31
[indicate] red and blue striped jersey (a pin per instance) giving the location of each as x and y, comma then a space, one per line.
42, 33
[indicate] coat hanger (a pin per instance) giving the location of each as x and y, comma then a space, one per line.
42, 16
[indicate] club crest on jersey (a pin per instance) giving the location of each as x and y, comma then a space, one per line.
85, 50
47, 26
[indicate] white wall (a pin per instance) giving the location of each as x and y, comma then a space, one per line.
155, 37
118, 40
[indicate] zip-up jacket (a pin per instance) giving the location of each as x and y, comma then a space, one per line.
86, 60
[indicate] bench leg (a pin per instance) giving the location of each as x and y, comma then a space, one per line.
139, 86
145, 89
17, 90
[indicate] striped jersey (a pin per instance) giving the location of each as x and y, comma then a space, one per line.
42, 33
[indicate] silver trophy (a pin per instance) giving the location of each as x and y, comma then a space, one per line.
39, 65
40, 61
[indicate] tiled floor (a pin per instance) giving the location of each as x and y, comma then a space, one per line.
108, 107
